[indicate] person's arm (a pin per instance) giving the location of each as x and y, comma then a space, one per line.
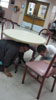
34, 51
46, 61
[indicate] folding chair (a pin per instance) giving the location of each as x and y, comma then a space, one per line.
6, 24
42, 69
47, 34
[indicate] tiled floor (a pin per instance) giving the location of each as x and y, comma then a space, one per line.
12, 89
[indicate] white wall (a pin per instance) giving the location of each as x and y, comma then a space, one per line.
49, 17
18, 17
8, 12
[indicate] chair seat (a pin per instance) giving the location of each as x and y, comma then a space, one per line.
39, 67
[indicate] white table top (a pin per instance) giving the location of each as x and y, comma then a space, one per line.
24, 36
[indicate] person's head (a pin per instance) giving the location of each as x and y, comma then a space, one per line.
41, 49
24, 48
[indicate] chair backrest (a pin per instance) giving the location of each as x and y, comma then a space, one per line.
48, 27
46, 33
51, 63
6, 24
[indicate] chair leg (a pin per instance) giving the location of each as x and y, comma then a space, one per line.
53, 85
16, 65
37, 76
24, 75
16, 68
40, 88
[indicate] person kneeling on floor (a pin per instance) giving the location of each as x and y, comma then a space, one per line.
8, 51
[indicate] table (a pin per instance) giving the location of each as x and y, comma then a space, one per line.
24, 36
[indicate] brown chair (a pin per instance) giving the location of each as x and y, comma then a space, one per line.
47, 34
6, 24
2, 13
53, 31
42, 69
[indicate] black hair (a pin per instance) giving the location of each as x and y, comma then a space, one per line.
25, 45
41, 48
